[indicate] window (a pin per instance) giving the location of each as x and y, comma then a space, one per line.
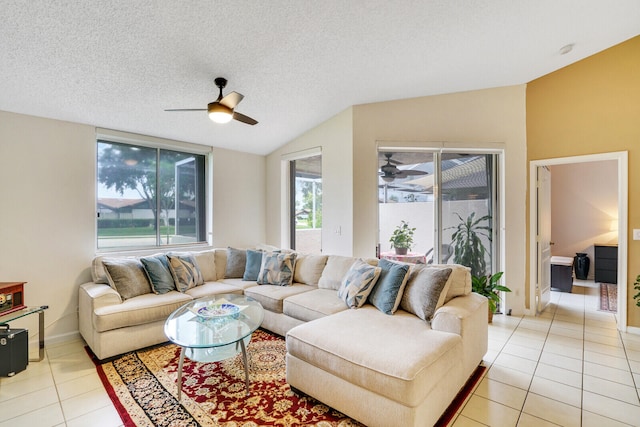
306, 204
149, 197
439, 193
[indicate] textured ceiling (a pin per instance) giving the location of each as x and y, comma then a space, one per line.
118, 64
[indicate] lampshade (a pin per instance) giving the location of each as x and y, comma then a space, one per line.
219, 113
388, 178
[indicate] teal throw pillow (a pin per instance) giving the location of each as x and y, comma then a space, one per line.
387, 292
277, 269
252, 266
358, 283
157, 269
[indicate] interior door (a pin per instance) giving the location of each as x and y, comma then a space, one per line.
543, 238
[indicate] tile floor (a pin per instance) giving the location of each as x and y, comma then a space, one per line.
568, 367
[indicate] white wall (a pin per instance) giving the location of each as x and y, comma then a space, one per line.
47, 210
584, 202
334, 137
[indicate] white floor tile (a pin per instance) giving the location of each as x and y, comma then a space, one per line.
608, 373
104, 417
552, 410
490, 413
50, 415
510, 376
527, 420
606, 360
589, 419
556, 391
510, 396
85, 403
610, 408
514, 362
463, 421
560, 375
611, 389
521, 351
561, 361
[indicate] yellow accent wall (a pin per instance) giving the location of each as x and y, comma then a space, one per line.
590, 107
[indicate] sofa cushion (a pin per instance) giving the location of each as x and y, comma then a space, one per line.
424, 292
213, 288
309, 268
98, 274
185, 271
313, 305
358, 283
272, 296
139, 310
404, 366
387, 292
459, 280
239, 283
206, 261
236, 262
277, 269
157, 269
334, 271
252, 265
127, 276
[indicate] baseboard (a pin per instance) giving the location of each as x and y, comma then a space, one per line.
633, 330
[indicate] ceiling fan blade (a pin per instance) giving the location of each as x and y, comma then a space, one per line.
409, 172
186, 109
231, 99
244, 119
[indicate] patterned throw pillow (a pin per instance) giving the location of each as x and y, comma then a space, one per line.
277, 269
423, 292
253, 265
157, 269
236, 262
127, 276
358, 283
185, 271
387, 292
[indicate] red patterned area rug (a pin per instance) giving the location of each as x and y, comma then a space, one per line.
608, 297
142, 386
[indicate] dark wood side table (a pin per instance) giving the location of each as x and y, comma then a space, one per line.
606, 263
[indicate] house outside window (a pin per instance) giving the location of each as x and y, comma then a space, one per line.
149, 196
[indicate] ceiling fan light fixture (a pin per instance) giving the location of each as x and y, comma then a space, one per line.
219, 113
388, 178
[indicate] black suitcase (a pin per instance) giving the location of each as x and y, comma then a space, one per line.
14, 350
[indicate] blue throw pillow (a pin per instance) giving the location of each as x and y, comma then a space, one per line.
157, 269
252, 266
387, 293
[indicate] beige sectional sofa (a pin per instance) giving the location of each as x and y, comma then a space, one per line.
381, 369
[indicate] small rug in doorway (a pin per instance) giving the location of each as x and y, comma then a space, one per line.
608, 297
142, 386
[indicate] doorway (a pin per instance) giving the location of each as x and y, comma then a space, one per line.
617, 221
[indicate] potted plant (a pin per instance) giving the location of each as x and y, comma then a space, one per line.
487, 285
468, 249
402, 238
636, 286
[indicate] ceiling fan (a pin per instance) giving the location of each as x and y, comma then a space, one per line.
390, 171
222, 110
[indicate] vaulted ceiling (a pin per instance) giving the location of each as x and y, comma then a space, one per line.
119, 64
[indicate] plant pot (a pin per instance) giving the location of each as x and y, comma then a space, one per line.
401, 251
490, 316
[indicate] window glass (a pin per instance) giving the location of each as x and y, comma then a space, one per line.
149, 197
306, 203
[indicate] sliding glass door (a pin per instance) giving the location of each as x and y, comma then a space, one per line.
449, 198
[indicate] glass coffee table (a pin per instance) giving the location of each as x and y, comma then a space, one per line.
214, 328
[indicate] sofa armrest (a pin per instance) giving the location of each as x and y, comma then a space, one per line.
99, 295
466, 316
454, 316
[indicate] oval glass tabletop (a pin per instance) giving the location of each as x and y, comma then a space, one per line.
214, 321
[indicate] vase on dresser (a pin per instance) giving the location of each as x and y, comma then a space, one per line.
581, 264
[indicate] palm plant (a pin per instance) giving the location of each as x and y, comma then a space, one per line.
487, 285
468, 249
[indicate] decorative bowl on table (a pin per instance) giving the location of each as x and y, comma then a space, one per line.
218, 310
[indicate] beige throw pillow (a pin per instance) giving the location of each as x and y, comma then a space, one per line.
127, 276
423, 291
